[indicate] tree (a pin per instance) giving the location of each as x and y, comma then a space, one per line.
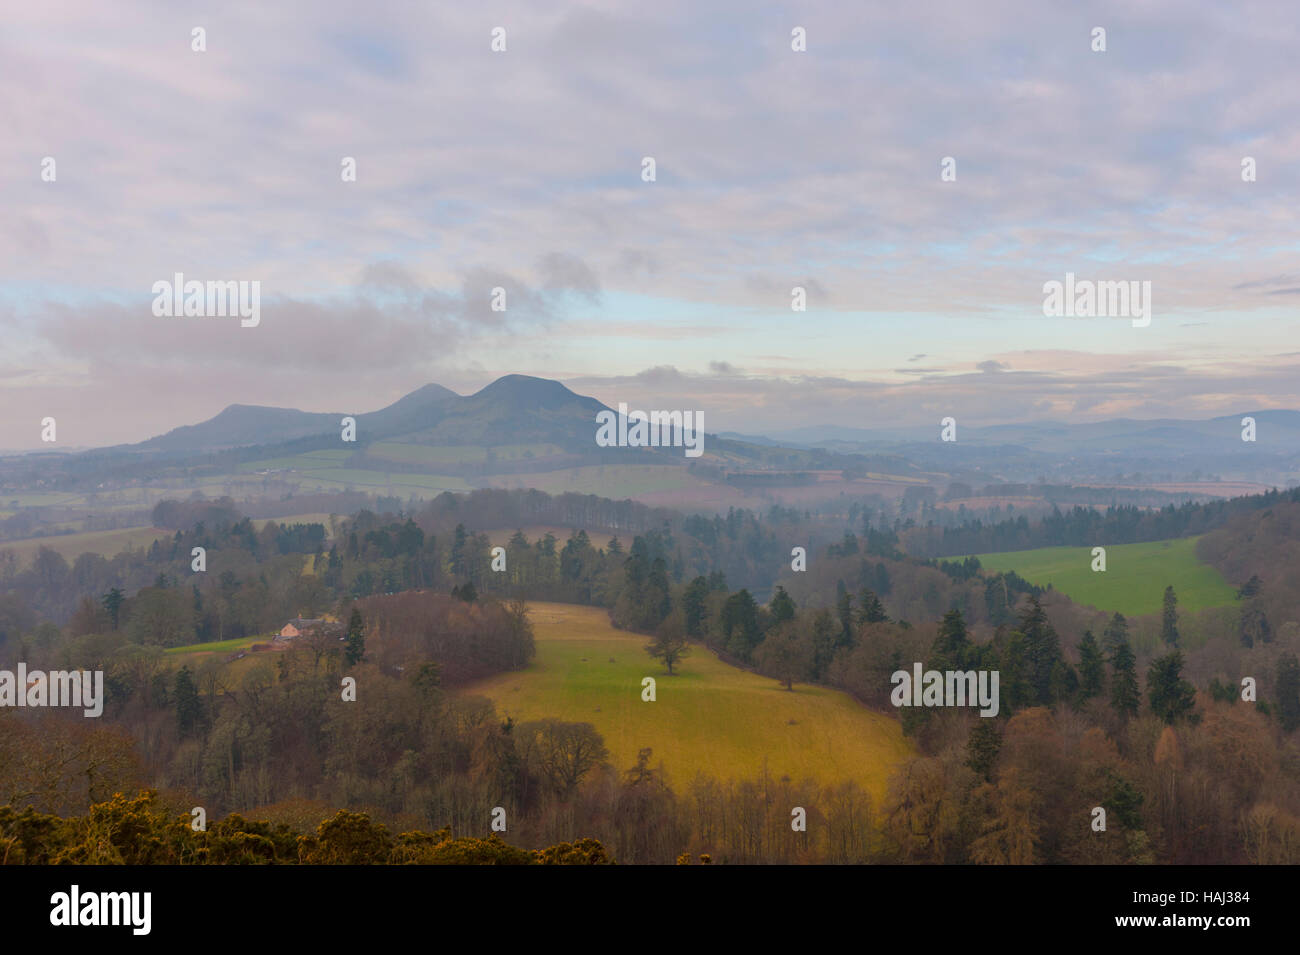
873, 611
740, 624
1169, 618
1092, 667
844, 611
669, 644
189, 709
561, 753
113, 604
1288, 691
1171, 696
1115, 631
694, 606
1123, 683
982, 746
822, 642
354, 651
1042, 650
784, 655
781, 607
952, 645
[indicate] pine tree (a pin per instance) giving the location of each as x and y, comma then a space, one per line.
952, 644
1171, 696
1092, 667
354, 651
873, 611
982, 748
1169, 618
1115, 632
844, 611
113, 601
695, 607
781, 606
1288, 691
1124, 695
189, 710
1042, 650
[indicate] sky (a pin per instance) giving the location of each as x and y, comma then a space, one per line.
522, 169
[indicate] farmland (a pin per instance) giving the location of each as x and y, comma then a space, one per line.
1134, 580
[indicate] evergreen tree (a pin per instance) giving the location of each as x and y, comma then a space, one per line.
873, 611
824, 633
659, 598
1169, 618
1115, 632
113, 601
1123, 682
354, 651
695, 607
952, 645
1251, 587
844, 611
1171, 696
1042, 650
1015, 686
883, 583
781, 607
459, 562
1288, 692
1092, 667
740, 624
189, 710
982, 746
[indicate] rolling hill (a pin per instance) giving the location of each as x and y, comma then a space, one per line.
709, 717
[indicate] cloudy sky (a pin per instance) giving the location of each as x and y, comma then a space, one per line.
523, 169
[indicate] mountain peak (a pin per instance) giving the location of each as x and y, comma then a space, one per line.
528, 390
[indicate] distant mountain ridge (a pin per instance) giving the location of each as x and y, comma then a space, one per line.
515, 408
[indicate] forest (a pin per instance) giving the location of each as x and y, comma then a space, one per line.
1147, 718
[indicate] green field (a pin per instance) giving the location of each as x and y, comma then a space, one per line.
217, 646
614, 480
457, 454
710, 717
307, 461
1134, 580
72, 546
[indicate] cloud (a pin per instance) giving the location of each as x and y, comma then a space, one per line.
522, 170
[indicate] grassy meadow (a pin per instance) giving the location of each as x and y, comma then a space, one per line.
1134, 580
708, 717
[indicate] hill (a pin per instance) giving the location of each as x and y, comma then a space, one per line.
710, 717
1134, 580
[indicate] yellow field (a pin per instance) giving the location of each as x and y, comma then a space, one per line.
72, 546
710, 717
